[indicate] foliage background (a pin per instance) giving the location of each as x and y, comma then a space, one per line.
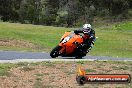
64, 12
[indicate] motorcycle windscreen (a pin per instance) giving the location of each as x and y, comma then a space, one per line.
65, 35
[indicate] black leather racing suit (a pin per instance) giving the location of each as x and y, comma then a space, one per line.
87, 41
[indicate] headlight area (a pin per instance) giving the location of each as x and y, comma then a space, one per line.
66, 39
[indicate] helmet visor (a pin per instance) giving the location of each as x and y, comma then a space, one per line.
86, 31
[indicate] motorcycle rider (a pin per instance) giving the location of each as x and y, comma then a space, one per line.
88, 38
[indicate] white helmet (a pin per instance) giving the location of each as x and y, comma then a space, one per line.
87, 26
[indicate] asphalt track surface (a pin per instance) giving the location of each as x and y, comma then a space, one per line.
18, 56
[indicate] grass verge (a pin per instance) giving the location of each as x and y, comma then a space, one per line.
61, 75
114, 40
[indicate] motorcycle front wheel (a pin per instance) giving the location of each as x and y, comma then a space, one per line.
55, 52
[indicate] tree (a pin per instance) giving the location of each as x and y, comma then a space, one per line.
49, 11
62, 12
30, 11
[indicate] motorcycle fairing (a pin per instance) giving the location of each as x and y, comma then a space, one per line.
68, 42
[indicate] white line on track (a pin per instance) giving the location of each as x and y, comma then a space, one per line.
51, 60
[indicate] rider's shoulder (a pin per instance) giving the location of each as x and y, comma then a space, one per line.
92, 30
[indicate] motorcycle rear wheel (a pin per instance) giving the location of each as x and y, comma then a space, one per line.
78, 57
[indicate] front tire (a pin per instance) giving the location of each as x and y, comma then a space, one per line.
55, 52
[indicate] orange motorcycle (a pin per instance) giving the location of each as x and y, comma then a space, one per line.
68, 46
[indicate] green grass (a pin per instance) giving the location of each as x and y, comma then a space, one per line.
39, 74
4, 69
43, 36
27, 68
48, 64
120, 68
89, 70
114, 40
113, 43
37, 77
124, 26
38, 84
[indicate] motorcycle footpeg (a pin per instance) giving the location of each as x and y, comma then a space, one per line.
87, 51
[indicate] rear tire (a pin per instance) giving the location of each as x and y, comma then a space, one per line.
78, 57
55, 52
